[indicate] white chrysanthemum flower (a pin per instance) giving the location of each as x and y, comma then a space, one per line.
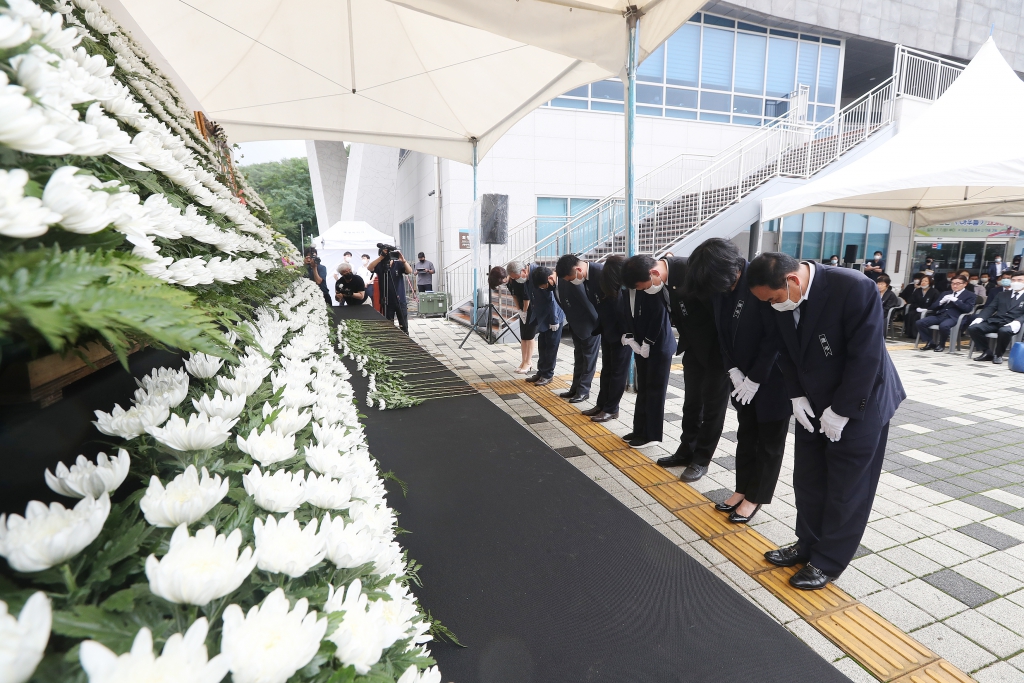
412, 675
225, 407
271, 643
268, 448
133, 422
48, 536
21, 216
287, 548
23, 640
87, 479
203, 365
184, 658
83, 210
348, 545
163, 386
244, 383
199, 433
278, 492
297, 397
337, 436
200, 568
328, 494
359, 636
288, 420
326, 460
186, 499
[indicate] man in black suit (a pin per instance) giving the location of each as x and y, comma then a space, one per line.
1004, 315
844, 390
996, 268
705, 382
547, 315
579, 294
945, 311
718, 270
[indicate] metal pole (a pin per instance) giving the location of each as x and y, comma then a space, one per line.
476, 291
633, 26
474, 168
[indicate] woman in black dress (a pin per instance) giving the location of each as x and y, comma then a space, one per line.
923, 297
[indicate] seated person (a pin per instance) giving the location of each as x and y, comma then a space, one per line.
922, 298
945, 312
349, 290
911, 287
889, 298
1003, 315
974, 284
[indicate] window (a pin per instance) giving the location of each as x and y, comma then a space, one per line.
811, 247
652, 69
568, 104
407, 238
607, 90
878, 236
815, 236
716, 59
833, 244
684, 56
551, 215
555, 212
807, 73
581, 91
781, 67
677, 97
747, 105
828, 74
649, 94
715, 101
750, 56
791, 226
855, 233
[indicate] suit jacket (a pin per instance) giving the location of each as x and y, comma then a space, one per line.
1002, 309
742, 320
951, 310
647, 319
580, 302
923, 298
837, 358
996, 269
544, 310
692, 317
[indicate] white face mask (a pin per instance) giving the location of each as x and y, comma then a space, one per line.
917, 282
520, 280
999, 260
578, 281
788, 304
835, 262
654, 289
929, 272
1017, 286
974, 282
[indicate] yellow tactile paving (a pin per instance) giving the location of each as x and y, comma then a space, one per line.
888, 653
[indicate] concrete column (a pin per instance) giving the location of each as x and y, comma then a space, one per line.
328, 166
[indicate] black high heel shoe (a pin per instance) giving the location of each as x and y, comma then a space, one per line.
725, 507
740, 519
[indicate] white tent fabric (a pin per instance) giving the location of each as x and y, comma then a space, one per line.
354, 70
590, 30
359, 237
962, 158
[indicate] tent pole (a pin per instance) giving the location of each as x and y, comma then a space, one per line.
474, 169
633, 26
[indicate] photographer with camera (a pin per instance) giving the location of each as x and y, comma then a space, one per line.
349, 290
390, 267
317, 273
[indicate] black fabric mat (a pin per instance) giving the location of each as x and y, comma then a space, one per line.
545, 577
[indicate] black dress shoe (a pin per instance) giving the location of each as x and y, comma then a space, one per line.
674, 460
567, 394
579, 398
543, 382
693, 473
591, 412
997, 359
927, 347
604, 417
786, 557
725, 507
628, 437
983, 357
533, 378
639, 441
939, 349
810, 578
737, 518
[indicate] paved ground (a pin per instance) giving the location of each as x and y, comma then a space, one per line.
943, 556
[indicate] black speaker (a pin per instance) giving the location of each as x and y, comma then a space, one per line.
851, 254
494, 219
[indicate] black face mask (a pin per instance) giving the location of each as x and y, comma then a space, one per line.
347, 277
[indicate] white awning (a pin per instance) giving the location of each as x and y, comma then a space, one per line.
355, 70
962, 158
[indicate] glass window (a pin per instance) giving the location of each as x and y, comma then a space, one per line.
821, 112
714, 118
684, 55
791, 235
652, 69
750, 27
833, 243
581, 91
715, 101
807, 73
680, 114
781, 67
746, 121
747, 105
649, 111
811, 248
828, 74
551, 212
607, 90
407, 236
675, 97
568, 104
719, 21
606, 106
750, 56
878, 238
650, 94
856, 233
716, 59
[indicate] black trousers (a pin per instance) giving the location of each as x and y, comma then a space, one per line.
945, 325
423, 288
979, 331
835, 486
759, 450
584, 363
651, 385
403, 315
615, 359
547, 351
706, 399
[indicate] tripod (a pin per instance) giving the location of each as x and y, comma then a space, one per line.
483, 318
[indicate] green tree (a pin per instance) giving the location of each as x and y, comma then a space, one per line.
288, 193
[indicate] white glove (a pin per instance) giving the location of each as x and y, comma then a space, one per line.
737, 377
803, 412
1015, 326
976, 321
644, 349
832, 424
745, 392
554, 328
948, 297
922, 310
631, 343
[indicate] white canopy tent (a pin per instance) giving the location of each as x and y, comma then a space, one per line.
962, 158
355, 70
359, 237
